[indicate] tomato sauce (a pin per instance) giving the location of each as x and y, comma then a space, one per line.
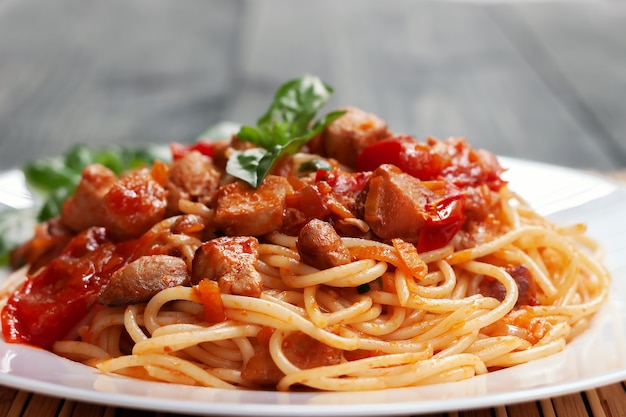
57, 297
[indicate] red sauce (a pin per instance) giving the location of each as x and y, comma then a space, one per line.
54, 300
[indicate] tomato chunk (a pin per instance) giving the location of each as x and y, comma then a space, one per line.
210, 295
179, 150
452, 159
415, 158
52, 302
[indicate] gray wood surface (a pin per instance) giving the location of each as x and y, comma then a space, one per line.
537, 80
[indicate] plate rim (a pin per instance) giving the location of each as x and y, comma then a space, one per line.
92, 395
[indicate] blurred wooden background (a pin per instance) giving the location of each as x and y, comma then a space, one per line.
535, 80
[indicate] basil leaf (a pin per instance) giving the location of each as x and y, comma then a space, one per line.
256, 136
49, 174
283, 129
54, 202
79, 157
296, 103
315, 165
16, 226
244, 165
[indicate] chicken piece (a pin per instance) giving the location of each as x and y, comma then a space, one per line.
300, 349
526, 286
346, 137
246, 211
85, 209
320, 246
143, 278
231, 261
127, 207
178, 236
192, 177
395, 204
306, 353
261, 370
133, 205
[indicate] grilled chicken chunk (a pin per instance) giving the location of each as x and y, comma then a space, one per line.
346, 137
245, 211
143, 278
231, 261
192, 177
127, 206
320, 246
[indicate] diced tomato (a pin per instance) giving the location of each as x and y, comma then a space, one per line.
453, 160
410, 258
159, 172
264, 335
445, 218
210, 296
347, 183
386, 151
52, 302
179, 150
415, 158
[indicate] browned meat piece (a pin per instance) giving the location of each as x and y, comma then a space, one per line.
49, 240
231, 261
192, 177
189, 224
306, 353
127, 207
220, 154
179, 245
261, 370
320, 246
346, 137
85, 209
133, 205
178, 236
301, 350
243, 210
143, 278
526, 285
395, 204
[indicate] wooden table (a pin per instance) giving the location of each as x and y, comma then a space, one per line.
544, 81
609, 401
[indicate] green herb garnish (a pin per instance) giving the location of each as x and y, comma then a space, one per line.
315, 164
287, 125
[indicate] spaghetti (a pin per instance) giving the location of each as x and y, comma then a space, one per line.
479, 282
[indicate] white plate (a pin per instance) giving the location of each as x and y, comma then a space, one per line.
595, 358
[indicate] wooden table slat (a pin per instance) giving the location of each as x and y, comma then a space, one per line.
613, 399
20, 399
570, 405
42, 406
529, 409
